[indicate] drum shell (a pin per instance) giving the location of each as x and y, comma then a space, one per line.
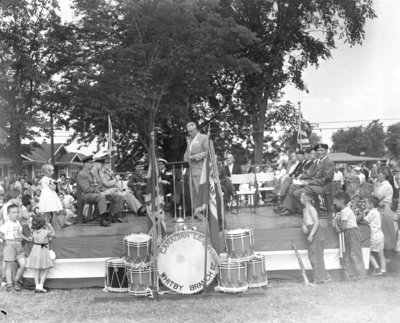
239, 244
256, 272
137, 253
180, 262
232, 277
140, 280
116, 279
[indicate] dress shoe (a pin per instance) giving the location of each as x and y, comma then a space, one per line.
119, 220
278, 209
286, 213
281, 210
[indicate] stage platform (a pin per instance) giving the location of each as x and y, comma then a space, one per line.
81, 250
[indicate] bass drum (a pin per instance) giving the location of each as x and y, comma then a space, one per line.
180, 262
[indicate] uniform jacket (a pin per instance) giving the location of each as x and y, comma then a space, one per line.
86, 181
322, 173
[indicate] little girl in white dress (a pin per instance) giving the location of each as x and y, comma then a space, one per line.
49, 201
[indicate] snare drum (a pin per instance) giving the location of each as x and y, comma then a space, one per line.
140, 281
256, 272
137, 250
232, 277
239, 244
116, 280
180, 262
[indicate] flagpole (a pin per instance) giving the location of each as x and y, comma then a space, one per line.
110, 141
206, 213
299, 129
153, 207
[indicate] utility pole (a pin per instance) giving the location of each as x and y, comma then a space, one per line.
52, 138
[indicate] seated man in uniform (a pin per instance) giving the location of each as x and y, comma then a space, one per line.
137, 183
109, 184
319, 181
92, 194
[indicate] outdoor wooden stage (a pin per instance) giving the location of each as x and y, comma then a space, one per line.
82, 249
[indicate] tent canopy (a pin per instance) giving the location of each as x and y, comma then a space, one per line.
345, 157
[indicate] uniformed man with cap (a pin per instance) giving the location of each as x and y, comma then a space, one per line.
91, 192
319, 181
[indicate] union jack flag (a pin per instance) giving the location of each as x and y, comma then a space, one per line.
302, 136
210, 195
154, 185
112, 147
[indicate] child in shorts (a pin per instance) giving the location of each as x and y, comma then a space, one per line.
346, 221
11, 233
373, 218
315, 238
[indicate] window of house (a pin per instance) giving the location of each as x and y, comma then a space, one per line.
73, 171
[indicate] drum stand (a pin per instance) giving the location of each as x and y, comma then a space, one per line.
179, 219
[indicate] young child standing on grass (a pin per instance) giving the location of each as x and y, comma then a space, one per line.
346, 221
373, 218
39, 259
49, 201
315, 237
11, 233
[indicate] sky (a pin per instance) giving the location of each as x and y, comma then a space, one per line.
357, 83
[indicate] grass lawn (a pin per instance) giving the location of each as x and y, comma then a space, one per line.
372, 300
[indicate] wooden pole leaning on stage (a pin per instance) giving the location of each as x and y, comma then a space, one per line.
302, 268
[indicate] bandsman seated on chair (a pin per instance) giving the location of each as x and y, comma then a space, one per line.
91, 193
321, 176
109, 182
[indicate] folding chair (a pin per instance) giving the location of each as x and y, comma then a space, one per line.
268, 180
244, 181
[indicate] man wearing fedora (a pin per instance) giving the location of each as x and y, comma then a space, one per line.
318, 182
91, 193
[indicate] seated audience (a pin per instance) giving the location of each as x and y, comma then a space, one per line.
137, 183
319, 182
92, 194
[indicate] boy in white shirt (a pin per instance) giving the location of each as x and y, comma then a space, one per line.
11, 233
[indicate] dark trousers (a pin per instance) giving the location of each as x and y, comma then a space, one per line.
353, 258
316, 256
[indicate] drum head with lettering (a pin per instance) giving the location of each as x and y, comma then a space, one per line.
180, 262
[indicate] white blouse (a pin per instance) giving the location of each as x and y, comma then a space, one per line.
384, 192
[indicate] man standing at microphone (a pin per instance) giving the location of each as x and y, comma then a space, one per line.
195, 154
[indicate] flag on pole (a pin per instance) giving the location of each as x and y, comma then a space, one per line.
302, 137
154, 186
210, 195
112, 148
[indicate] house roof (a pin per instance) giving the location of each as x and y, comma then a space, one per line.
43, 153
345, 157
71, 158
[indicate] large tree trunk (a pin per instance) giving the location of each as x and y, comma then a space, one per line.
259, 127
15, 141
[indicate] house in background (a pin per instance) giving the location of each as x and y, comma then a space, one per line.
66, 162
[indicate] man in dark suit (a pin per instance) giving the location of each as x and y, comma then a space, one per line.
91, 193
318, 182
195, 154
166, 178
226, 172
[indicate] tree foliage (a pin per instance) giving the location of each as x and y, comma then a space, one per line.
31, 35
360, 140
392, 141
152, 63
288, 45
